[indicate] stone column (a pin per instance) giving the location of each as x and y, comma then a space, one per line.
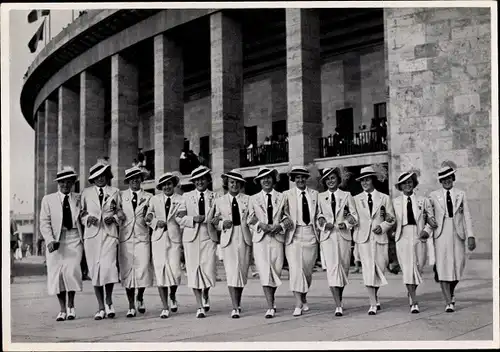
91, 124
39, 171
50, 146
438, 69
303, 76
227, 95
68, 151
124, 117
169, 104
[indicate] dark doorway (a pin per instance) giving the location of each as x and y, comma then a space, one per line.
345, 123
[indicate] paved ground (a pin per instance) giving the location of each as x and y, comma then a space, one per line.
33, 314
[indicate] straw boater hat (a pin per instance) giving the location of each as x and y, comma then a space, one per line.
377, 170
264, 171
98, 169
341, 172
66, 172
235, 175
447, 168
413, 173
167, 177
133, 172
298, 170
199, 172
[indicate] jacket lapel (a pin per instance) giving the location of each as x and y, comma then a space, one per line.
457, 201
377, 201
74, 207
292, 204
57, 216
340, 205
276, 200
416, 210
312, 206
173, 206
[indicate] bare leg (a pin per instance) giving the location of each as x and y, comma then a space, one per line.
71, 299
130, 296
99, 293
298, 299
109, 292
232, 294
336, 295
205, 293
453, 285
446, 289
412, 291
61, 297
163, 291
372, 295
197, 294
269, 293
341, 292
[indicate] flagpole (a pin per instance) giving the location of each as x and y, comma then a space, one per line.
45, 28
49, 25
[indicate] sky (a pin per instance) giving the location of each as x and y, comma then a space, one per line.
22, 136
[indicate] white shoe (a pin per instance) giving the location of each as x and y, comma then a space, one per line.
372, 310
131, 313
297, 312
99, 315
200, 313
110, 311
141, 308
61, 316
449, 308
338, 312
414, 309
270, 313
164, 314
71, 313
305, 307
173, 306
235, 314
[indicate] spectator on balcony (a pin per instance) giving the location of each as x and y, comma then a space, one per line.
383, 131
194, 162
250, 152
267, 141
184, 163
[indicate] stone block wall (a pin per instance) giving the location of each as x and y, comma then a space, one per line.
439, 76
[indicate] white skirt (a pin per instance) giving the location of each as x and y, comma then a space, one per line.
411, 254
135, 263
167, 261
336, 253
101, 253
374, 258
200, 260
236, 259
450, 253
269, 256
301, 256
63, 265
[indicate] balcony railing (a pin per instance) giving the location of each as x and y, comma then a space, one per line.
357, 143
265, 154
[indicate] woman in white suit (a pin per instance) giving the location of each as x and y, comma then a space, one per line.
412, 233
199, 239
337, 216
375, 218
60, 227
301, 239
134, 251
230, 217
266, 216
453, 230
166, 240
100, 216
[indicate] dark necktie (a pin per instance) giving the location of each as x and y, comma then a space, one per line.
409, 213
306, 217
235, 212
269, 209
101, 196
449, 204
167, 207
134, 200
370, 203
334, 206
67, 218
201, 205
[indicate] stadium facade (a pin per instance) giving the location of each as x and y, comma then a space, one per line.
242, 88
